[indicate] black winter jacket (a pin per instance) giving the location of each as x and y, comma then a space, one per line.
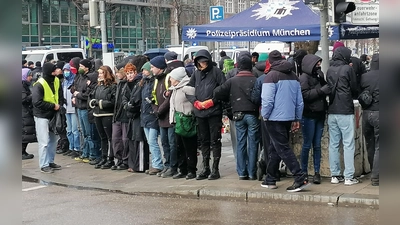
346, 90
148, 119
133, 101
258, 69
28, 123
370, 82
119, 111
204, 83
314, 88
237, 91
36, 74
105, 98
41, 108
162, 109
84, 84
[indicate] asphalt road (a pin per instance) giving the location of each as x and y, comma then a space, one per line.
44, 205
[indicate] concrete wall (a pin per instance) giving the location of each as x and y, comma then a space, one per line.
360, 156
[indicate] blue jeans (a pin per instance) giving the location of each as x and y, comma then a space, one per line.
152, 139
312, 130
169, 148
73, 132
87, 132
248, 139
47, 142
341, 127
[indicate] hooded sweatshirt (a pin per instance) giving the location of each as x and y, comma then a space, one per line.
178, 100
341, 75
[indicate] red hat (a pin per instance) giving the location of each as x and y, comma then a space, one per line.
337, 45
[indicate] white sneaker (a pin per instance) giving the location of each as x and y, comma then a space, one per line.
350, 181
336, 179
269, 186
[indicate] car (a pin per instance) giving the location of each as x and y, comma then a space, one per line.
188, 51
153, 52
50, 53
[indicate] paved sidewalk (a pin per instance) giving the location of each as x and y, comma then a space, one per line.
83, 175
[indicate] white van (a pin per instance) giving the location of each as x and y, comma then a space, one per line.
232, 53
188, 51
267, 47
56, 54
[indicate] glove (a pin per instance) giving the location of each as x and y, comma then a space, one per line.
197, 105
207, 104
95, 102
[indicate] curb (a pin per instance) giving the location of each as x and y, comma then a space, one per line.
215, 193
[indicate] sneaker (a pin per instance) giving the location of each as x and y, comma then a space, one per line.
74, 154
27, 156
94, 161
375, 182
190, 176
79, 158
298, 186
154, 171
47, 169
67, 152
351, 181
54, 166
169, 173
86, 160
336, 179
269, 186
159, 174
317, 178
179, 176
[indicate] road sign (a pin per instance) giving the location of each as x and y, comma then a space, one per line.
216, 13
365, 13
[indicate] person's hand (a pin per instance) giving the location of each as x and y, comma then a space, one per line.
73, 101
56, 107
197, 105
295, 126
207, 104
76, 93
95, 102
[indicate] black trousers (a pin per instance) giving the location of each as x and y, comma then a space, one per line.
279, 148
24, 146
370, 120
187, 153
104, 128
138, 157
210, 135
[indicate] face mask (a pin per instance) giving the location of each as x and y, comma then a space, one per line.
81, 71
67, 74
74, 70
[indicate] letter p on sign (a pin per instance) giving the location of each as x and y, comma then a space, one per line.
216, 13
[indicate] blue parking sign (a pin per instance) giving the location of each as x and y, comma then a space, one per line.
216, 13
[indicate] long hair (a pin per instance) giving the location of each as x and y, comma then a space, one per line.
109, 77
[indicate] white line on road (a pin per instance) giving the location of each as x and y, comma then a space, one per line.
34, 188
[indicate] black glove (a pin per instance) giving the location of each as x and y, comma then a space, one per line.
128, 107
95, 102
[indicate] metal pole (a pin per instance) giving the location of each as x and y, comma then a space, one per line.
103, 27
324, 42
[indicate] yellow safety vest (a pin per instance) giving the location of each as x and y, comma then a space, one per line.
49, 96
153, 93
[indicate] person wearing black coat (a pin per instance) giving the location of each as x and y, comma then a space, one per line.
370, 117
47, 99
102, 101
207, 111
314, 90
28, 123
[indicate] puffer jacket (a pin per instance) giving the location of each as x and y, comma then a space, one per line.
84, 84
105, 97
314, 88
178, 101
204, 83
281, 98
148, 119
346, 89
28, 123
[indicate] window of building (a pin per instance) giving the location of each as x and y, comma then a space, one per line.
132, 19
65, 31
32, 11
25, 12
124, 18
25, 29
229, 6
34, 29
241, 5
55, 30
46, 11
64, 8
55, 11
253, 3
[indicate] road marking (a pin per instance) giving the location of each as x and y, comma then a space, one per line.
34, 188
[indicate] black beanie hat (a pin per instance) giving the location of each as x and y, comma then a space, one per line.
60, 65
86, 63
48, 68
274, 56
244, 63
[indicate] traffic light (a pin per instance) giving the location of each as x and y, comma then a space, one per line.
341, 8
93, 8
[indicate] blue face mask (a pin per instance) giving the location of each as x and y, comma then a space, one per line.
67, 74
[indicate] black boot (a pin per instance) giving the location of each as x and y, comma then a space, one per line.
102, 162
110, 162
215, 171
206, 170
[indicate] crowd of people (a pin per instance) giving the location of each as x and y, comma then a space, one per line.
112, 118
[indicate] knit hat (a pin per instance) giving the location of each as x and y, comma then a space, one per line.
337, 45
158, 62
60, 64
263, 57
146, 66
48, 68
66, 67
86, 63
244, 63
274, 56
178, 73
170, 56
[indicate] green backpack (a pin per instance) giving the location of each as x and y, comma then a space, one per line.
228, 65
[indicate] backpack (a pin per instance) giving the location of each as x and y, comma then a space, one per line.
365, 99
228, 65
